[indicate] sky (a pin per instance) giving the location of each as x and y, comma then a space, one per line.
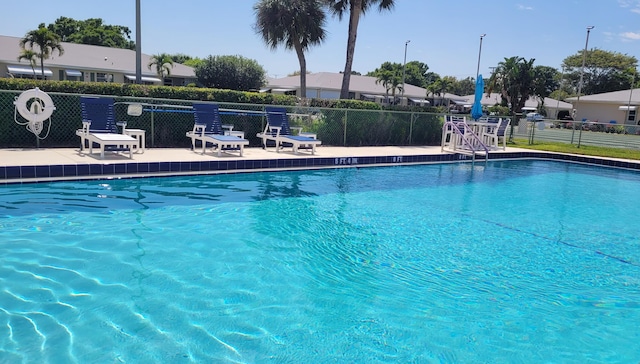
443, 34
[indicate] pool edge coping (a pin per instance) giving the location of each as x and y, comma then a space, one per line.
120, 170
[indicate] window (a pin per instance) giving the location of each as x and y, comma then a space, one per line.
19, 75
69, 75
632, 116
104, 77
28, 72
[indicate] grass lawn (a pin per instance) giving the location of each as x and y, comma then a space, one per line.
573, 149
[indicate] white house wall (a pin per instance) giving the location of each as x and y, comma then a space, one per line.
599, 112
552, 111
322, 94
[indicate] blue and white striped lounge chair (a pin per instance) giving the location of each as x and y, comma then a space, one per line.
99, 127
279, 131
208, 129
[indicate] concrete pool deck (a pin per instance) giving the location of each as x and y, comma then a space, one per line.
21, 165
49, 156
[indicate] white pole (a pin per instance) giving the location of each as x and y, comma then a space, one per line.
584, 58
630, 93
138, 45
479, 54
558, 101
404, 65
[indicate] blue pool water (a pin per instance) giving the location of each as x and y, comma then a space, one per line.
513, 262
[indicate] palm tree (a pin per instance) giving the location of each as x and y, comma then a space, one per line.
47, 42
390, 75
30, 56
163, 64
395, 84
514, 79
433, 85
385, 79
296, 24
356, 8
439, 87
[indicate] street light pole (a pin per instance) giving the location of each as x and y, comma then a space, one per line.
404, 65
479, 54
138, 45
584, 58
633, 81
559, 89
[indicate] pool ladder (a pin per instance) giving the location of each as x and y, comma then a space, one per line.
458, 137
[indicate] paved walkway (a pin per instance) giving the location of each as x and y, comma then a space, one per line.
57, 156
37, 165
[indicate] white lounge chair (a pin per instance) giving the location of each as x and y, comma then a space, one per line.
99, 127
208, 129
279, 131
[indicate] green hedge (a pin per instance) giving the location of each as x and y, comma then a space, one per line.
176, 92
336, 122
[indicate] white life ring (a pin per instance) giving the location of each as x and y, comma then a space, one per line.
40, 109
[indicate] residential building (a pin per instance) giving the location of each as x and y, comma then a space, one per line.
88, 63
551, 106
620, 106
327, 85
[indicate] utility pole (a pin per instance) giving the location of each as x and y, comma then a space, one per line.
584, 58
138, 45
404, 65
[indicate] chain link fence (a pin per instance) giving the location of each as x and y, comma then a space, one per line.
167, 120
594, 133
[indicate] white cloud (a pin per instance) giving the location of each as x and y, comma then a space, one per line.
632, 5
524, 7
630, 36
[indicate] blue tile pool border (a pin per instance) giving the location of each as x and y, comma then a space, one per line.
39, 173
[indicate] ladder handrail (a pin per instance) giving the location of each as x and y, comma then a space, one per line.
469, 139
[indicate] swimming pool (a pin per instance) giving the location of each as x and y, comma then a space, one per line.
515, 261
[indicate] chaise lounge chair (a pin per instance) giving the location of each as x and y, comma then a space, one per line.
208, 129
495, 134
279, 131
99, 127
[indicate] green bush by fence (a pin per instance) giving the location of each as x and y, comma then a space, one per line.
336, 122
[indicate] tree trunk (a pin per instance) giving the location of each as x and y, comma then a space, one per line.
303, 69
42, 66
354, 18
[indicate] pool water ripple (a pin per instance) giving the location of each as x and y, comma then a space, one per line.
415, 264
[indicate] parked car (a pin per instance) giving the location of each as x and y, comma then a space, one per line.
566, 117
534, 116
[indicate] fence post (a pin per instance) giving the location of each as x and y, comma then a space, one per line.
411, 128
153, 132
344, 136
